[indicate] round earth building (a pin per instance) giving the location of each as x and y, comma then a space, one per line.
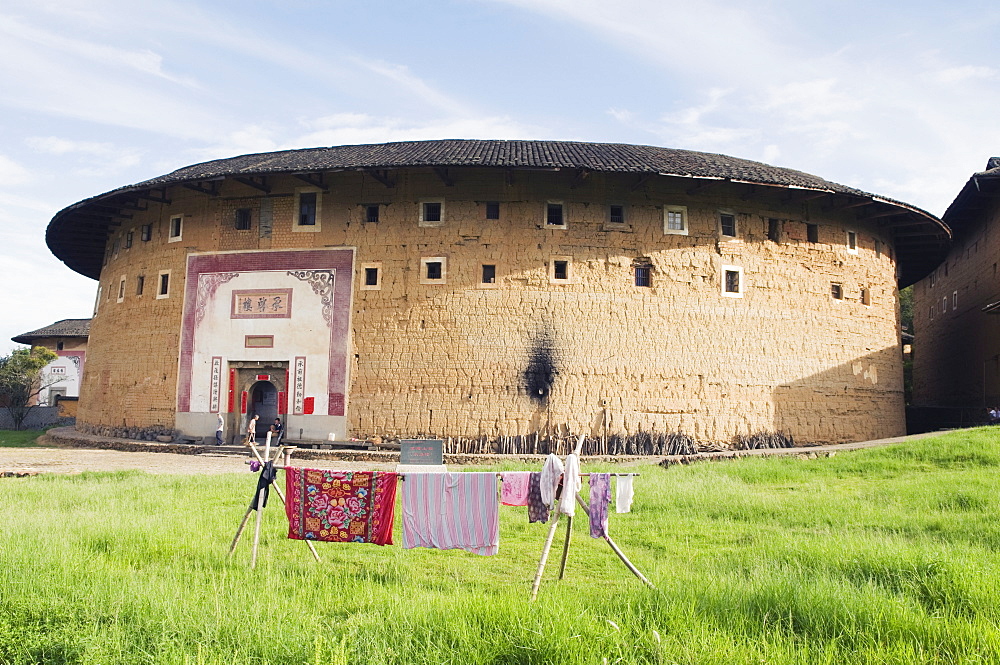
496, 288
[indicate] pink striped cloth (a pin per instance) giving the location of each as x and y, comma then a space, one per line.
449, 511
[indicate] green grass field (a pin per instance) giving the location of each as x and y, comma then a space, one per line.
19, 438
876, 556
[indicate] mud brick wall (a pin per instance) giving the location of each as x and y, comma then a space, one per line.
459, 357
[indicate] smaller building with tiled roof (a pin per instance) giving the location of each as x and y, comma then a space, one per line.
63, 377
66, 329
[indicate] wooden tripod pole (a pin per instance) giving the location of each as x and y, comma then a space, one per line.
256, 529
565, 554
621, 555
545, 556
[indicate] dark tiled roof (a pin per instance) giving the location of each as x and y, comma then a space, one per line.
977, 195
83, 253
64, 328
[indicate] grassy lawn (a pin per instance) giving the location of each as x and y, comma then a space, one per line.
19, 438
876, 556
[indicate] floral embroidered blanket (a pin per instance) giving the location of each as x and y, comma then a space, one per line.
340, 506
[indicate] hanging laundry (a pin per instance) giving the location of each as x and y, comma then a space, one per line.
514, 488
537, 510
571, 485
623, 494
267, 475
549, 482
451, 511
600, 497
340, 506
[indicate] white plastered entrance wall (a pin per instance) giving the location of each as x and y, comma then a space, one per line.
285, 314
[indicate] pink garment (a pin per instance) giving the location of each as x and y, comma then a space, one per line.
514, 488
448, 511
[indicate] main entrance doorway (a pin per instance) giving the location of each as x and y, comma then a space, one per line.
263, 403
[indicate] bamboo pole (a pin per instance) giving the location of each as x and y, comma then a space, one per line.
545, 556
256, 529
565, 554
621, 555
239, 532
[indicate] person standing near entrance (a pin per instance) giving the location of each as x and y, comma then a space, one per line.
277, 429
252, 429
219, 430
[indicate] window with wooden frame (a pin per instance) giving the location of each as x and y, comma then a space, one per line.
642, 272
176, 229
121, 289
140, 284
727, 225
241, 221
308, 209
489, 274
372, 213
675, 220
852, 242
492, 210
146, 232
836, 291
128, 239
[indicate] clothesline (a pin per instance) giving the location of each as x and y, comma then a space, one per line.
499, 474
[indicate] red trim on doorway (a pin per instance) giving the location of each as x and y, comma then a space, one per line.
232, 391
243, 402
282, 402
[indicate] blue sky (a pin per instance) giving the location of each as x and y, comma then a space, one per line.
97, 94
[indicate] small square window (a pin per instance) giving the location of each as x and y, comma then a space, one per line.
866, 296
812, 232
371, 276
492, 210
554, 215
837, 291
560, 269
616, 215
371, 214
727, 225
176, 228
128, 239
774, 229
732, 281
431, 213
433, 270
242, 220
146, 232
489, 274
140, 284
121, 289
852, 242
642, 274
163, 288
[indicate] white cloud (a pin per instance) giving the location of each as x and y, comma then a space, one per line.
94, 158
12, 173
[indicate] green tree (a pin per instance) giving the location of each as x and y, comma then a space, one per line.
21, 381
906, 309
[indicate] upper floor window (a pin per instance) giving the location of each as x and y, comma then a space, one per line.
372, 280
616, 214
433, 270
176, 228
812, 232
555, 217
836, 291
308, 205
492, 210
852, 242
732, 281
489, 274
432, 212
774, 229
242, 219
675, 220
128, 239
560, 268
371, 214
163, 287
146, 232
642, 273
727, 225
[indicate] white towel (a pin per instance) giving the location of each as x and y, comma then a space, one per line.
623, 494
547, 484
571, 485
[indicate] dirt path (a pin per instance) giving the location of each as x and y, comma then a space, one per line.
22, 461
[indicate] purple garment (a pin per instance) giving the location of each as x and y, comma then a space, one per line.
537, 510
600, 498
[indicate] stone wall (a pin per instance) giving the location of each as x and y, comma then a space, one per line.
459, 357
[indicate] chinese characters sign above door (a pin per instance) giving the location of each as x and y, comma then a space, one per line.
262, 304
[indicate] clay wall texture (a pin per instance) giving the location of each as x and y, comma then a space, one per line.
956, 352
460, 357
